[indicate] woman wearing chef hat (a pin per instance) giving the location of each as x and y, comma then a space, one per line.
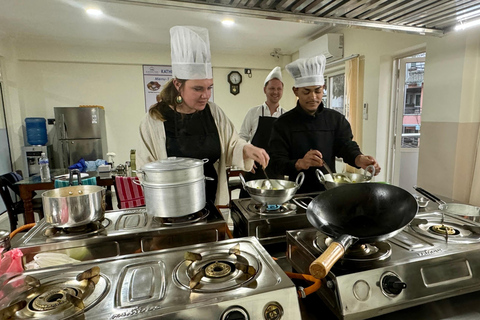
310, 134
185, 124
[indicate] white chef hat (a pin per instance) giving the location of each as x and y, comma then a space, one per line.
191, 57
308, 71
276, 73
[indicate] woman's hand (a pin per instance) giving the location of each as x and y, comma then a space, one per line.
257, 154
363, 162
312, 158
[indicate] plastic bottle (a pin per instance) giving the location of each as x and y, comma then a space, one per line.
44, 168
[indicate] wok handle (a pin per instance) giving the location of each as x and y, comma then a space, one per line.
299, 180
369, 173
428, 195
321, 177
322, 265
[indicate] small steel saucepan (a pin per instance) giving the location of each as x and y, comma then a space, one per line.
466, 211
74, 205
364, 212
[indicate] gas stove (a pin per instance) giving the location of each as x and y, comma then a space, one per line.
122, 232
419, 265
230, 279
269, 223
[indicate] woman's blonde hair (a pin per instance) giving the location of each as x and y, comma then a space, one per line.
167, 97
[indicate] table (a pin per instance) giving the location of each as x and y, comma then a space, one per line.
33, 183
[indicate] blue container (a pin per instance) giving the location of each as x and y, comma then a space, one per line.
36, 131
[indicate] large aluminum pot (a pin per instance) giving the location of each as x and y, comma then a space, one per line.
339, 179
283, 190
173, 187
172, 170
74, 206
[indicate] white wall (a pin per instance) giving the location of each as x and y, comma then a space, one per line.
51, 74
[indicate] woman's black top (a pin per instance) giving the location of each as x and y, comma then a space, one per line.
196, 136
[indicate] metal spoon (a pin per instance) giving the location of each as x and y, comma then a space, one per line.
266, 183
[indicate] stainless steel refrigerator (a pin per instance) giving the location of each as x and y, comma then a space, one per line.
81, 133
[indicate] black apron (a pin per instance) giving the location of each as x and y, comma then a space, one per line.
260, 139
195, 136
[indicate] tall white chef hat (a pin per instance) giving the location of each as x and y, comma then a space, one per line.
276, 73
191, 57
308, 71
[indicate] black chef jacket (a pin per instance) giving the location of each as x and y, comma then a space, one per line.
297, 132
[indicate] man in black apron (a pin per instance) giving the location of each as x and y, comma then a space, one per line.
258, 123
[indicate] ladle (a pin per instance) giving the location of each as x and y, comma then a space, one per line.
267, 184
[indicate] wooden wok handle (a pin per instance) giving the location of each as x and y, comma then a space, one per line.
322, 265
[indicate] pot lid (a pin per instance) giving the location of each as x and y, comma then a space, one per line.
173, 163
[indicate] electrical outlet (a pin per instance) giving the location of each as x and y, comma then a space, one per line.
248, 71
51, 121
365, 111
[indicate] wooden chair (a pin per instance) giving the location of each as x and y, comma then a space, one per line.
233, 184
14, 207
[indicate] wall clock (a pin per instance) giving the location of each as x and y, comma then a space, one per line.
234, 78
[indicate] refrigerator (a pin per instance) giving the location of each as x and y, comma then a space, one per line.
81, 133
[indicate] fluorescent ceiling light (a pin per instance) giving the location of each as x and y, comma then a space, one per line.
94, 12
228, 22
463, 26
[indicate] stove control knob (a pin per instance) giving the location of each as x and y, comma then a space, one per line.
392, 285
235, 313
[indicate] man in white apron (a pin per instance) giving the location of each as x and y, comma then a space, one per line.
258, 123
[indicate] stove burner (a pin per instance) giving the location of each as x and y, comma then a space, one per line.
60, 296
272, 209
84, 231
52, 299
443, 229
458, 231
215, 271
366, 252
188, 219
219, 269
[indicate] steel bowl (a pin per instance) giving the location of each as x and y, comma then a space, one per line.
274, 196
339, 179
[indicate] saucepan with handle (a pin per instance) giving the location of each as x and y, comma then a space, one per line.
364, 213
466, 211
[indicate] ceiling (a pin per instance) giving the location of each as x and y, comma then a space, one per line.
260, 25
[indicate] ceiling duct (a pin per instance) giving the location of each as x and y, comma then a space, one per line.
330, 45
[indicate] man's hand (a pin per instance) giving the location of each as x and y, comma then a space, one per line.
363, 162
257, 154
312, 158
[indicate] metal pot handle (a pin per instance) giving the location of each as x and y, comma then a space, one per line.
301, 204
205, 160
137, 182
321, 177
299, 180
79, 177
369, 170
242, 180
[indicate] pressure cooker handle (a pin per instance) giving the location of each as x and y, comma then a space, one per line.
429, 195
79, 177
322, 265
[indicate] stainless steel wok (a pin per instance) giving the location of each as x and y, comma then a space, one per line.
365, 212
283, 190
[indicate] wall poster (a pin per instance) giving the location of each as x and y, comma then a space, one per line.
154, 79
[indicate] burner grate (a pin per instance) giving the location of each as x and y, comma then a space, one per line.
188, 219
272, 209
80, 232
